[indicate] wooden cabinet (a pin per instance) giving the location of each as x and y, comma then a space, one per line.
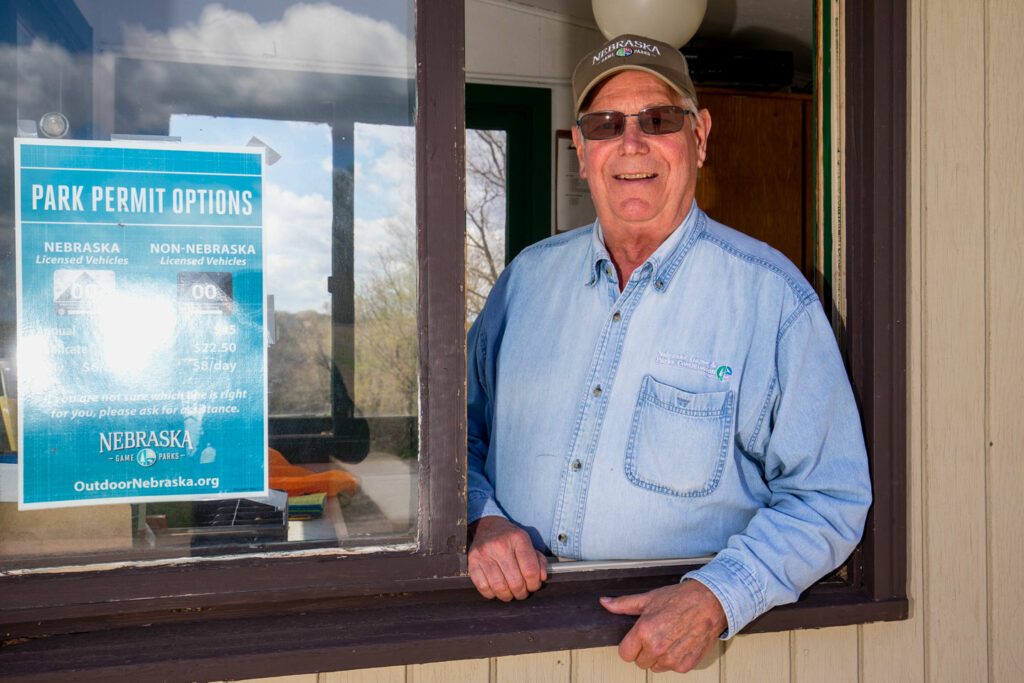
758, 176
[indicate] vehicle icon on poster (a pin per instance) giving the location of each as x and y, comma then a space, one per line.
205, 293
79, 292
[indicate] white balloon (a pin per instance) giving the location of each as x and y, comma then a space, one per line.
671, 21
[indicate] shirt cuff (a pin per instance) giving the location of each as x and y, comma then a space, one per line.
736, 590
482, 506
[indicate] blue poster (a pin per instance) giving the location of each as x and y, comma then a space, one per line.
141, 349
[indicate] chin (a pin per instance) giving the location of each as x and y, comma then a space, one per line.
634, 211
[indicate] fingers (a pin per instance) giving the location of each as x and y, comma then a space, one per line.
691, 659
520, 571
631, 647
681, 657
491, 570
503, 563
649, 648
483, 582
646, 659
626, 604
542, 560
531, 566
660, 654
678, 626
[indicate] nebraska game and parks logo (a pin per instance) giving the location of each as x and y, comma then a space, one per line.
146, 457
625, 48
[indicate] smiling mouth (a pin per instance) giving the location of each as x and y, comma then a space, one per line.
636, 176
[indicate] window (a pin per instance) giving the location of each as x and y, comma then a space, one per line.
329, 116
265, 613
336, 197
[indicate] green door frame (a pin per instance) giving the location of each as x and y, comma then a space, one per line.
525, 115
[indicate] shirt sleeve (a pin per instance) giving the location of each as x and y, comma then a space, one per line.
815, 466
480, 501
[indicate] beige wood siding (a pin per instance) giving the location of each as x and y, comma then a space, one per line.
1004, 310
757, 657
953, 290
965, 323
554, 667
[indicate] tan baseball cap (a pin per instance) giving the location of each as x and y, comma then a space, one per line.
627, 52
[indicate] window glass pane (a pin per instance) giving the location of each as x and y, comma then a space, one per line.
326, 92
385, 266
297, 224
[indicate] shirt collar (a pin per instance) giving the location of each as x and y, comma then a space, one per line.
665, 260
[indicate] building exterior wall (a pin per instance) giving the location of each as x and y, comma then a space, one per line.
965, 377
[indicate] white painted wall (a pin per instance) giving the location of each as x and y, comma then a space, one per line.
513, 44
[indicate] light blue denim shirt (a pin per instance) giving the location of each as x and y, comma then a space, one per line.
704, 409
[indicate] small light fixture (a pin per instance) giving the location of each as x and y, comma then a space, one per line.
54, 124
671, 21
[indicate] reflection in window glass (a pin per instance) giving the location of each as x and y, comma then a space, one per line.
327, 89
297, 228
385, 267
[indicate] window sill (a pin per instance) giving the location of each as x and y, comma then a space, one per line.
444, 619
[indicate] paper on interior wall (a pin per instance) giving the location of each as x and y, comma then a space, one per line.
573, 204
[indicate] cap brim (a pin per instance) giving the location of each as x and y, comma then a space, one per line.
605, 75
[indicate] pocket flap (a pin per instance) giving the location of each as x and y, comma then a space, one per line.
713, 404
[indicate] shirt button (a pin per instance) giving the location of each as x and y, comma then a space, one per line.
660, 284
562, 538
576, 464
607, 270
616, 316
597, 391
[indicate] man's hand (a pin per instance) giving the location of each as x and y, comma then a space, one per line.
678, 625
503, 562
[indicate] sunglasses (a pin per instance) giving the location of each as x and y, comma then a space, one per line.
607, 125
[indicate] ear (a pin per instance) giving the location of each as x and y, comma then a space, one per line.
702, 131
577, 141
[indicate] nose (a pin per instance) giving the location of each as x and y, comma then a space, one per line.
633, 140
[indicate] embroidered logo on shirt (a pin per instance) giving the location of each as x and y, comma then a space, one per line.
721, 372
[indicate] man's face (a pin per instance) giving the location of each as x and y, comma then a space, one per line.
642, 185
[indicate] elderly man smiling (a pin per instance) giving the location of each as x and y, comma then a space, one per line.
658, 385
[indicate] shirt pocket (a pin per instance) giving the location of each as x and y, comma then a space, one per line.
678, 440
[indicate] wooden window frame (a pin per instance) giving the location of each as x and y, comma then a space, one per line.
267, 616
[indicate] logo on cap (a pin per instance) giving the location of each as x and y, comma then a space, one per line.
624, 48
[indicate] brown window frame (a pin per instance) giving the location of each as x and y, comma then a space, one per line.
267, 616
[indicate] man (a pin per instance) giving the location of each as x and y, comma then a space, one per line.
659, 385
